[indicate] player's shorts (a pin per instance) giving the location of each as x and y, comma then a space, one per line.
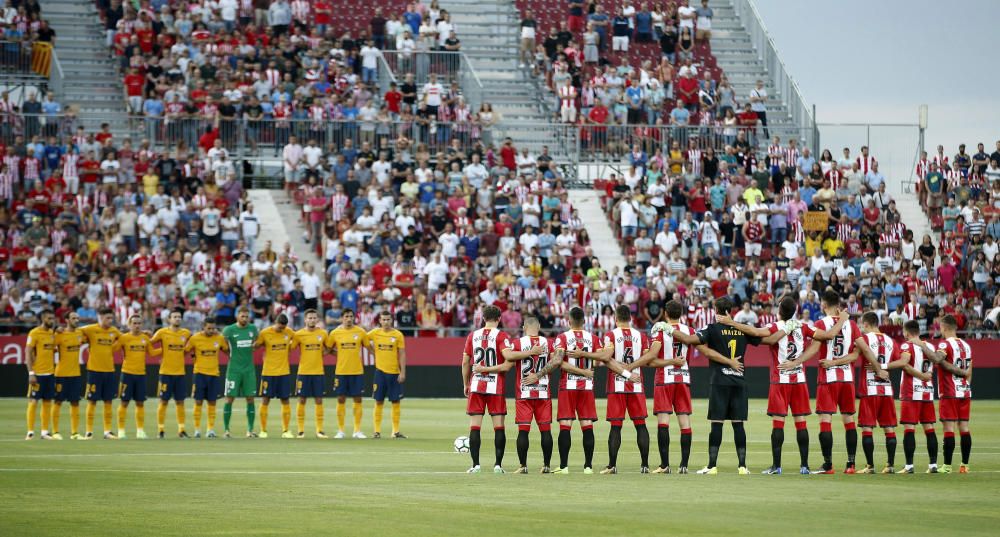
241, 383
781, 397
538, 409
132, 388
44, 389
310, 385
577, 405
348, 385
387, 386
481, 403
727, 402
633, 403
914, 412
173, 387
834, 396
276, 386
954, 409
672, 398
101, 386
206, 387
69, 389
877, 410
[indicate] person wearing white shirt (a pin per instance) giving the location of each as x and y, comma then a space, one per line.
404, 222
528, 240
532, 211
250, 227
369, 62
444, 29
476, 172
436, 272
565, 242
449, 242
291, 157
687, 15
666, 241
526, 163
381, 169
148, 222
432, 92
313, 157
311, 284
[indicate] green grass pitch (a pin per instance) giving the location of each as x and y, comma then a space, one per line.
418, 486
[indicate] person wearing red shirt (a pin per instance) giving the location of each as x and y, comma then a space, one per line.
134, 84
146, 38
392, 99
687, 92
105, 134
20, 255
508, 154
598, 116
747, 118
207, 140
720, 287
381, 271
134, 284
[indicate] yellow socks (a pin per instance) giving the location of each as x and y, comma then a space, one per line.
74, 419
56, 408
300, 416
211, 416
395, 417
32, 414
341, 415
263, 417
357, 417
161, 415
46, 416
181, 415
319, 417
378, 416
286, 415
91, 410
107, 416
197, 416
122, 410
140, 417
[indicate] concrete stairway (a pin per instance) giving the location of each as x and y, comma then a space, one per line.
602, 238
91, 83
280, 223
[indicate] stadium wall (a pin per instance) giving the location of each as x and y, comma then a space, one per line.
433, 369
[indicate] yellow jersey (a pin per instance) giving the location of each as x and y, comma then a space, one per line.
43, 342
100, 340
172, 344
348, 342
386, 346
277, 344
311, 343
70, 345
206, 352
134, 347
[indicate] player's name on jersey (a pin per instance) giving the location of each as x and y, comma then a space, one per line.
731, 332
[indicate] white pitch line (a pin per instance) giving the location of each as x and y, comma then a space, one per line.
252, 472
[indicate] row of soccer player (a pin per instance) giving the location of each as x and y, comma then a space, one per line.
835, 340
54, 355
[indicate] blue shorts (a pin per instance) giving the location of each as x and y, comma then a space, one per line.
172, 387
387, 386
349, 385
132, 388
44, 389
101, 386
69, 389
276, 386
206, 387
310, 385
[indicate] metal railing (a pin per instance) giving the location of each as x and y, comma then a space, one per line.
16, 58
447, 67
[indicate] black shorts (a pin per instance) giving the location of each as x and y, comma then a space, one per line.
727, 403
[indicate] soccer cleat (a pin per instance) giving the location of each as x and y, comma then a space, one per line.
45, 436
210, 434
321, 434
197, 434
932, 469
287, 434
141, 435
377, 435
908, 469
121, 435
57, 436
771, 470
824, 470
340, 435
561, 471
302, 434
88, 436
944, 469
227, 434
805, 471
359, 435
474, 470
545, 470
888, 470
110, 436
74, 436
682, 470
742, 470
183, 434
963, 469
610, 470
398, 435
868, 469
262, 434
661, 470
251, 434
161, 435
850, 469
498, 469
587, 471
30, 435
521, 470
708, 471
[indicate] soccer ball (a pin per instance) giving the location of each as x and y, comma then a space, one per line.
462, 444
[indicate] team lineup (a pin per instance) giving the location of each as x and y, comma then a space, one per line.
838, 343
55, 354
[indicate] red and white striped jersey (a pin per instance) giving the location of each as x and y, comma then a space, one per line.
791, 155
911, 388
765, 318
673, 350
865, 163
629, 345
941, 161
835, 176
911, 310
576, 340
885, 351
844, 231
931, 285
701, 317
788, 348
959, 353
776, 153
923, 167
694, 162
485, 347
567, 97
840, 346
533, 364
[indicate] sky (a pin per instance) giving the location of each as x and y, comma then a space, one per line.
878, 61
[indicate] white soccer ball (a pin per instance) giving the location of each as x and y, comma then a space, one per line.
462, 444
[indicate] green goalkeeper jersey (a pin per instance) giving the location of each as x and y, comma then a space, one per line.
241, 340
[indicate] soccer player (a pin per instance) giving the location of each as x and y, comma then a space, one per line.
276, 376
241, 381
101, 385
389, 347
954, 359
533, 400
916, 393
788, 390
311, 340
206, 346
69, 382
172, 340
671, 346
576, 389
347, 340
877, 403
40, 358
134, 345
489, 349
727, 400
